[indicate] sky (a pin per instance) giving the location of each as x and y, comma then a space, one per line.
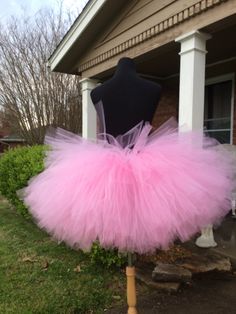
30, 7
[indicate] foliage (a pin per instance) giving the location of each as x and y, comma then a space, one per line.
107, 258
33, 97
39, 276
17, 166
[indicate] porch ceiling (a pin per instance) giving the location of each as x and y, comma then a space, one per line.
163, 62
222, 46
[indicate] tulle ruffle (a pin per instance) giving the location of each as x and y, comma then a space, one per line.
137, 192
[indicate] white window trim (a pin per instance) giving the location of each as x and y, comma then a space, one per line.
223, 78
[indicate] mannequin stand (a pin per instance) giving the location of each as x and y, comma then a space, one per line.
206, 239
131, 289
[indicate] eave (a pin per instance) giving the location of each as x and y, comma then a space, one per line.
74, 44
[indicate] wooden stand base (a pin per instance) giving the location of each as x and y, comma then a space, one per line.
131, 290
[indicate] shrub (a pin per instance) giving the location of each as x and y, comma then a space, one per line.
17, 166
107, 258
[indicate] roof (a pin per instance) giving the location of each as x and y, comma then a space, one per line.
88, 24
11, 138
107, 29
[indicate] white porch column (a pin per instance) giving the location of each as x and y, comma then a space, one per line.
191, 97
192, 79
89, 115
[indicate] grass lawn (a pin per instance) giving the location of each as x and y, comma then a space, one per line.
39, 276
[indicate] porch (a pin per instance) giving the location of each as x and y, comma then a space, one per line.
216, 110
225, 236
187, 48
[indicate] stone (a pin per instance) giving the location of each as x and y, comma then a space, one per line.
171, 273
205, 263
145, 277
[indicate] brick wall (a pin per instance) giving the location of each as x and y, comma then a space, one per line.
168, 104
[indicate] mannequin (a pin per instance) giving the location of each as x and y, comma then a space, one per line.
127, 99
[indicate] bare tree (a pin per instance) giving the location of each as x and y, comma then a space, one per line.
35, 97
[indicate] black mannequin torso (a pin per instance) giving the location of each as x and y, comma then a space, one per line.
127, 99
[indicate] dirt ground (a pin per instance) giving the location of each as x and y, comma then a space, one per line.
208, 294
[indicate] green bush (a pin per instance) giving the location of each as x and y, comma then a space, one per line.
17, 166
107, 258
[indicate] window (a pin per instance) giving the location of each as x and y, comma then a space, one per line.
218, 110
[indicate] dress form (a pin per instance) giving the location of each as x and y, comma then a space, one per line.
127, 98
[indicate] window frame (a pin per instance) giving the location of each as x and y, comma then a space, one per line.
220, 79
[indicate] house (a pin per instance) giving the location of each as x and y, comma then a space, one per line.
7, 138
10, 141
186, 46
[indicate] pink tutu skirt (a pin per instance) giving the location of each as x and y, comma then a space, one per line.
137, 192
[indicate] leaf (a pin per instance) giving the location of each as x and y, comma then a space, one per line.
28, 259
116, 297
45, 265
77, 269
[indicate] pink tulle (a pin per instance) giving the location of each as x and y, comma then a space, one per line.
137, 192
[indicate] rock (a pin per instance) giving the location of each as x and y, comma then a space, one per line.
205, 263
233, 263
171, 273
146, 277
